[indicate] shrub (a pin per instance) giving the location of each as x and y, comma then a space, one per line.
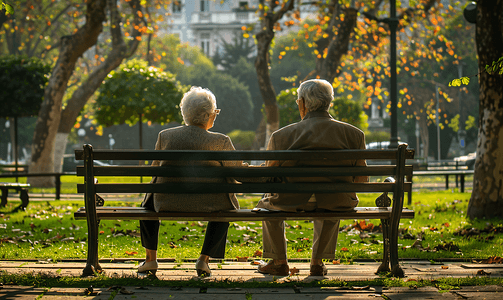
376, 136
241, 139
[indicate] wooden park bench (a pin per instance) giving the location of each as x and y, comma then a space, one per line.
22, 188
94, 211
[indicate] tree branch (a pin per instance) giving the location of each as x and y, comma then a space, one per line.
118, 53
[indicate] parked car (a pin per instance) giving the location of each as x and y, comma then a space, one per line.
467, 160
380, 145
70, 163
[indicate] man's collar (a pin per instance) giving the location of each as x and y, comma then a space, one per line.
317, 114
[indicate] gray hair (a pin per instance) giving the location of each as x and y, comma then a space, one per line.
197, 105
317, 94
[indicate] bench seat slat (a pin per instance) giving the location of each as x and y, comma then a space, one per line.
140, 213
198, 188
14, 185
188, 171
241, 155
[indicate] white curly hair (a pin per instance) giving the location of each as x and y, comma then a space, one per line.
197, 105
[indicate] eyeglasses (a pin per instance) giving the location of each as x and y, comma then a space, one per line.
217, 111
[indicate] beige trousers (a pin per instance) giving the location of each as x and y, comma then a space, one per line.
324, 239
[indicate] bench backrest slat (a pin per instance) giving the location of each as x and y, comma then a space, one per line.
197, 188
195, 171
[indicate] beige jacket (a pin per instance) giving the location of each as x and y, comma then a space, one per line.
317, 131
193, 138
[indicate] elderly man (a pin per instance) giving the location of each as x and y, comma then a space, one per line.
317, 130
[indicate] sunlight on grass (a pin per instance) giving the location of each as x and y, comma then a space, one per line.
47, 230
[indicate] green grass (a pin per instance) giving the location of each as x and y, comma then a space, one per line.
103, 281
47, 230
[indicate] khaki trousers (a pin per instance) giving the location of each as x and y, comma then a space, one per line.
324, 239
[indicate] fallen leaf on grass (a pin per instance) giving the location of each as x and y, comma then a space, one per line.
257, 253
363, 226
336, 262
90, 291
492, 260
482, 272
450, 246
131, 252
294, 271
344, 249
126, 292
102, 232
242, 259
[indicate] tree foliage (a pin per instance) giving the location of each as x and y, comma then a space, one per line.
234, 51
232, 96
342, 109
34, 28
23, 82
4, 6
495, 68
138, 90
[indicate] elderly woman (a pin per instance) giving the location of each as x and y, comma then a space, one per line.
199, 110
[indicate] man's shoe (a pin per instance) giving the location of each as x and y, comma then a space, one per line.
318, 270
148, 267
272, 269
202, 268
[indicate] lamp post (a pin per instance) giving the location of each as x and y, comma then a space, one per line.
393, 24
111, 143
437, 117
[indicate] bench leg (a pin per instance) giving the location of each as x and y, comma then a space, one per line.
384, 267
396, 270
92, 265
25, 199
5, 192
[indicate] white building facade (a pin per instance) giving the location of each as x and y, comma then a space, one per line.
205, 23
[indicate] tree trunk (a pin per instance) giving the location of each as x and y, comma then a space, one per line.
487, 197
259, 140
120, 51
336, 44
264, 39
425, 138
72, 47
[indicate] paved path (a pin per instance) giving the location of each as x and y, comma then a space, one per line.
246, 272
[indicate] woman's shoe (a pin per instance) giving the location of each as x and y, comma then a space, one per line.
202, 268
148, 267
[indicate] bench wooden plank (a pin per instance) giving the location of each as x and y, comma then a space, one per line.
14, 185
208, 188
199, 171
140, 213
